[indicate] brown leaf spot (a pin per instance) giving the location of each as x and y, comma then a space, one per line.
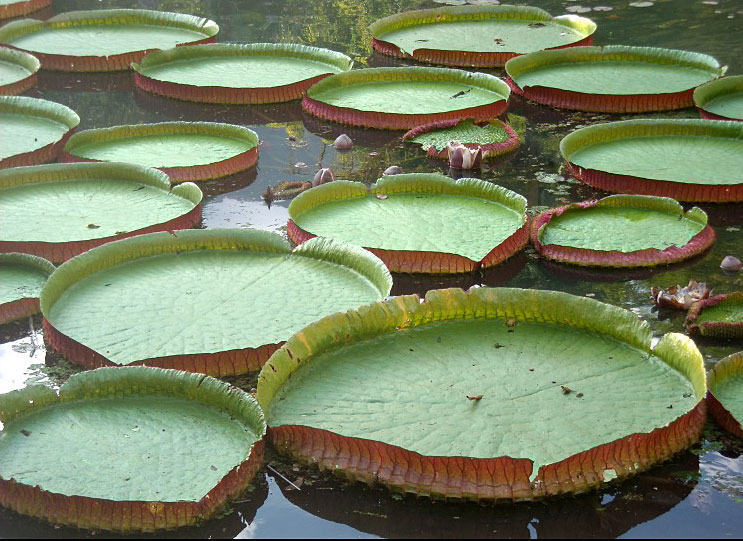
510, 322
474, 397
93, 226
25, 433
566, 390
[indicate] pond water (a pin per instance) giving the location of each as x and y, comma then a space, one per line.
697, 494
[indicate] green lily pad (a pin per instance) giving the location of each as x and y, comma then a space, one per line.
222, 299
493, 138
142, 447
721, 99
17, 71
21, 278
236, 73
33, 130
702, 160
184, 150
725, 382
614, 78
482, 36
622, 230
416, 222
59, 210
487, 394
402, 98
106, 39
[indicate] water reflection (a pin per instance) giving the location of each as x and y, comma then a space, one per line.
21, 349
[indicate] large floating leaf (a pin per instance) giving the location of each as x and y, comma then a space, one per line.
719, 316
493, 138
725, 382
34, 131
236, 73
60, 210
615, 78
489, 394
482, 36
418, 222
106, 39
689, 160
183, 150
128, 449
16, 8
217, 301
721, 99
402, 98
21, 278
622, 231
17, 71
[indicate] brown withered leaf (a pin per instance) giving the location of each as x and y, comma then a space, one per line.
680, 298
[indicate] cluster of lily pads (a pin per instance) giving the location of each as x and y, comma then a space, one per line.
478, 395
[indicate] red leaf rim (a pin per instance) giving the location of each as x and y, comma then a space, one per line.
489, 150
129, 516
57, 252
207, 171
45, 154
226, 95
222, 363
16, 9
18, 309
681, 191
604, 103
414, 261
500, 478
615, 258
717, 329
18, 87
399, 121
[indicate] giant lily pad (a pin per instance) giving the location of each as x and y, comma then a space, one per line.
417, 222
106, 39
719, 316
183, 150
216, 301
612, 79
403, 98
17, 71
16, 8
725, 398
689, 160
236, 73
483, 36
492, 394
60, 210
622, 231
21, 279
33, 131
128, 449
721, 99
494, 138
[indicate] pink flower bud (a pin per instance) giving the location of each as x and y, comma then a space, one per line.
462, 157
343, 142
731, 263
323, 176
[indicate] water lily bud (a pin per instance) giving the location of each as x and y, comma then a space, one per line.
462, 157
343, 142
323, 176
731, 263
392, 170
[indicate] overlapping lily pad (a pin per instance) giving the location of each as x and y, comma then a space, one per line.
21, 279
725, 398
622, 231
183, 150
482, 36
403, 98
57, 211
494, 138
236, 73
417, 222
612, 79
689, 160
16, 8
17, 71
721, 99
106, 39
128, 449
34, 131
213, 301
491, 394
719, 316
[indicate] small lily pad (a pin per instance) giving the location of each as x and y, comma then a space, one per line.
725, 399
719, 316
21, 278
17, 71
494, 138
721, 99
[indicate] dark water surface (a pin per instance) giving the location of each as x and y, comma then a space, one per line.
698, 494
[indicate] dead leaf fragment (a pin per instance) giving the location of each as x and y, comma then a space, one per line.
474, 397
566, 390
93, 226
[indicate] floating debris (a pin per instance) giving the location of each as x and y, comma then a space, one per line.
680, 298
